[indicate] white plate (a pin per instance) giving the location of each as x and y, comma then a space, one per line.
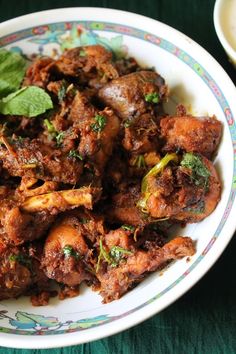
194, 78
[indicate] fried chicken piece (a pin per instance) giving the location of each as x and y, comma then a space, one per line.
32, 217
192, 134
38, 73
117, 281
20, 271
34, 159
87, 63
142, 135
98, 130
180, 194
65, 253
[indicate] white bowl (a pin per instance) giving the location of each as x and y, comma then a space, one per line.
225, 26
195, 79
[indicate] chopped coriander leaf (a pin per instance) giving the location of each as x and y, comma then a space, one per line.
100, 122
59, 138
84, 220
82, 53
152, 97
53, 132
69, 251
75, 154
117, 254
128, 227
200, 174
127, 123
62, 91
22, 259
50, 127
113, 257
20, 139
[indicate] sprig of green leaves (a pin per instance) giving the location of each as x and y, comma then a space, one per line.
29, 101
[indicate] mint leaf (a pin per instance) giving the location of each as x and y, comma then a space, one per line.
12, 71
28, 101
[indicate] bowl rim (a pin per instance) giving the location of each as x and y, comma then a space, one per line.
219, 30
142, 314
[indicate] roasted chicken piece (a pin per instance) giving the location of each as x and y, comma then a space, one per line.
32, 158
117, 280
123, 208
62, 200
141, 135
87, 63
133, 94
30, 219
188, 192
67, 257
38, 73
97, 129
191, 134
20, 271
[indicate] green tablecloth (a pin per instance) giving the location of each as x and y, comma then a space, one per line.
204, 320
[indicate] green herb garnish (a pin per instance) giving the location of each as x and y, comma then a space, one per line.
100, 122
128, 123
75, 154
50, 128
28, 101
62, 91
140, 162
69, 251
199, 173
22, 259
59, 138
117, 254
113, 257
82, 53
12, 71
152, 97
128, 227
84, 220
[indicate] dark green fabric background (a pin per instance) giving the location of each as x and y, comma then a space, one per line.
204, 320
